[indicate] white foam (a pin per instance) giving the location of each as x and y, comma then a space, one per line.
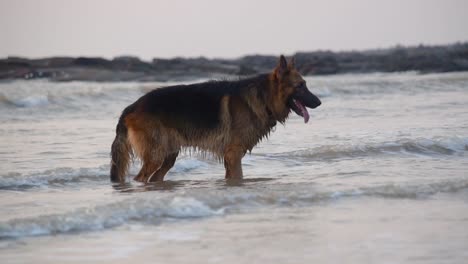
185, 165
31, 101
184, 207
24, 101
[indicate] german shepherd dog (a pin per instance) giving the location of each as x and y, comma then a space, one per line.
224, 118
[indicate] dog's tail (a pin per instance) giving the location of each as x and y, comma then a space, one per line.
120, 151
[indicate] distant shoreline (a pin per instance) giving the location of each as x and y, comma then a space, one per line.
424, 59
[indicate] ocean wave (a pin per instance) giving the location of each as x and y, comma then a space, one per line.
414, 191
154, 209
79, 99
386, 83
40, 93
102, 217
419, 146
50, 177
438, 146
63, 176
27, 101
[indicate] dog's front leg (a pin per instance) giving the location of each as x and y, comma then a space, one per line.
233, 161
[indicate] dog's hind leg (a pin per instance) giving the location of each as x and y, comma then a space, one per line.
144, 147
150, 167
233, 161
169, 162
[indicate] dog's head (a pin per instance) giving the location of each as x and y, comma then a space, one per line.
293, 90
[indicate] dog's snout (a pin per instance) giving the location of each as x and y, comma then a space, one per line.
318, 102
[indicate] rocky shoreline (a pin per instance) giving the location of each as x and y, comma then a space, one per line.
424, 59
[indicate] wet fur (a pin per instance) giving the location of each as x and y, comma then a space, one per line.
225, 118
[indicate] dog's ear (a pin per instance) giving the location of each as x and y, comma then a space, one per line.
282, 67
292, 63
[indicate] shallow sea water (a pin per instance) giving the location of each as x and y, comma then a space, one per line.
378, 175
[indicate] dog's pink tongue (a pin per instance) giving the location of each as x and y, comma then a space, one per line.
305, 114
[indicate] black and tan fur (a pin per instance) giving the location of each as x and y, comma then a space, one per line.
225, 118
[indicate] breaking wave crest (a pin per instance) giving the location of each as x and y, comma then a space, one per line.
153, 209
27, 101
39, 94
420, 146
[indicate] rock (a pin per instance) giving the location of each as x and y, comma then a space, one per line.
129, 68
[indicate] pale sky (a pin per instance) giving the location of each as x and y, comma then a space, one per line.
215, 28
